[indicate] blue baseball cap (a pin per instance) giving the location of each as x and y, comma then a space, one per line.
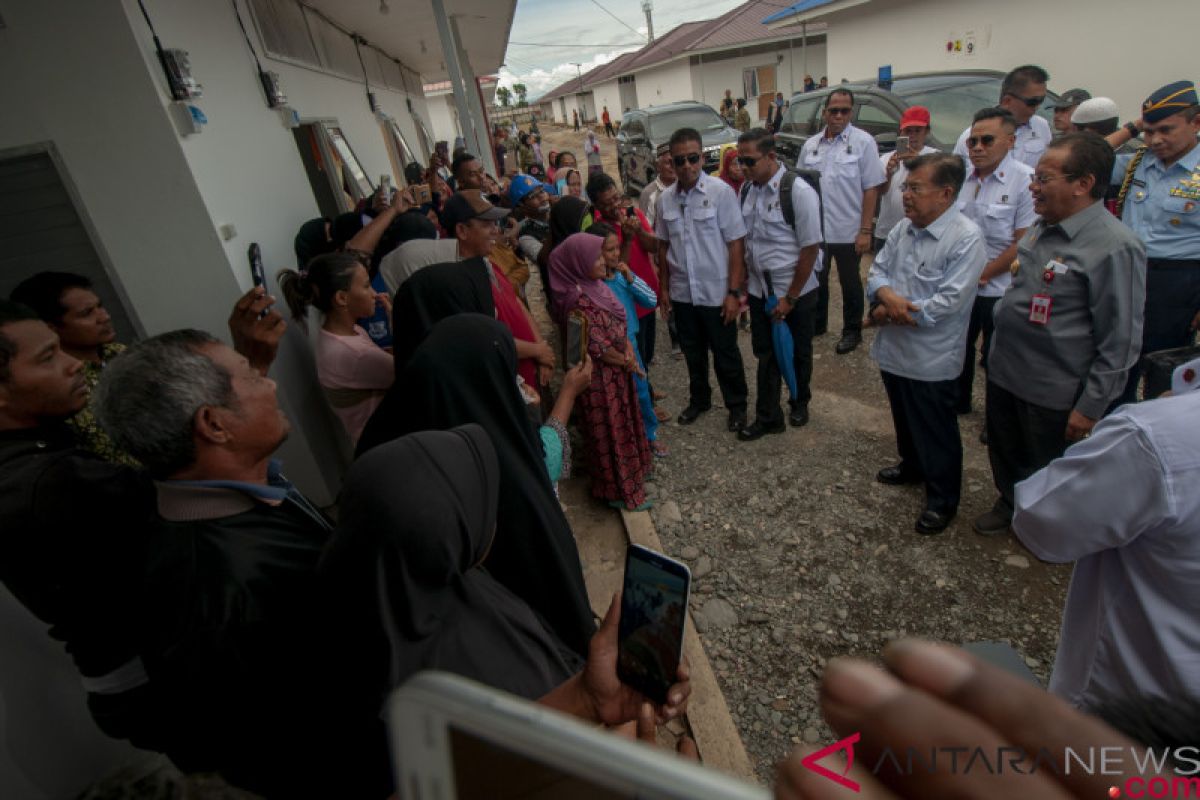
521, 187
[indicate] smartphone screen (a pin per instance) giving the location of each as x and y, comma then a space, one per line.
902, 144
422, 194
654, 602
257, 273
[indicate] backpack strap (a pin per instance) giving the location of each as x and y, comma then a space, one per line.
785, 197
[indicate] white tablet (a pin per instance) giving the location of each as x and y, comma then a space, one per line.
454, 738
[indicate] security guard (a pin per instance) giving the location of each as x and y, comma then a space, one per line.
1160, 202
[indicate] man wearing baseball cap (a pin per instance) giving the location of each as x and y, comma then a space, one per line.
914, 124
1066, 104
1160, 201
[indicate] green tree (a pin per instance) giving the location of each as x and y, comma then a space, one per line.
505, 96
520, 91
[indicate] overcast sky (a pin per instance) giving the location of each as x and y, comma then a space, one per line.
563, 32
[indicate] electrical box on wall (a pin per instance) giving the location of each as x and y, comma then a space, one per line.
271, 88
179, 74
188, 118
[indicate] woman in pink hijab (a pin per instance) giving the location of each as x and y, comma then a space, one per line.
610, 419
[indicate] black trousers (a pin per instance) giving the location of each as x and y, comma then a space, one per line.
701, 329
1172, 300
1022, 438
853, 302
608, 130
645, 337
770, 381
927, 437
981, 322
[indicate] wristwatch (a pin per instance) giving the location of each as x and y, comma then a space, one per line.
1132, 130
792, 300
736, 293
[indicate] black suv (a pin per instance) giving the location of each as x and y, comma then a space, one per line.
644, 129
951, 97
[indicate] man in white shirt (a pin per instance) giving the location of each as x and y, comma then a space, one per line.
915, 125
648, 200
1022, 94
783, 236
996, 198
921, 286
851, 176
701, 232
1123, 505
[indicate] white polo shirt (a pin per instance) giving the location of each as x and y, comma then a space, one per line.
999, 204
1032, 140
771, 245
849, 165
698, 225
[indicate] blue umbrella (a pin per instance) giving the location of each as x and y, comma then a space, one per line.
781, 335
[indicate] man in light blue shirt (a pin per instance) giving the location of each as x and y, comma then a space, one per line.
700, 231
921, 287
851, 178
782, 245
996, 198
1022, 94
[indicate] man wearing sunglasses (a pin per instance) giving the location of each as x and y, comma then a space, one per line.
1022, 93
700, 231
996, 198
851, 177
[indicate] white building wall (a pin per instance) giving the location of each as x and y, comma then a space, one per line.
712, 77
443, 117
1096, 54
666, 83
608, 94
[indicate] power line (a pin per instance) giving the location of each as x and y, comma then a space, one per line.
614, 16
611, 44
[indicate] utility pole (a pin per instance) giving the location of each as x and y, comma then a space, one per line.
648, 7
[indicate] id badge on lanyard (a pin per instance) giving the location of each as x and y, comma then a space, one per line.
1041, 303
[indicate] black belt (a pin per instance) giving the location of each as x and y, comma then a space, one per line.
1173, 263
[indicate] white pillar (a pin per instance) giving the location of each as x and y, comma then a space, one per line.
466, 96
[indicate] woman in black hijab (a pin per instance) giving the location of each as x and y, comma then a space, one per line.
566, 217
464, 372
404, 569
434, 293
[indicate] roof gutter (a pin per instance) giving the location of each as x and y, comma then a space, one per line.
807, 11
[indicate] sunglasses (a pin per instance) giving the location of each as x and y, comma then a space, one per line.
747, 161
690, 158
987, 140
838, 111
1032, 102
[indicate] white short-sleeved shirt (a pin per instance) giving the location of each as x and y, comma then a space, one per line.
404, 262
1032, 140
773, 246
1000, 204
699, 225
1123, 505
849, 165
891, 206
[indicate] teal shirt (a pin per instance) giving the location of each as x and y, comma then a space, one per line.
1163, 205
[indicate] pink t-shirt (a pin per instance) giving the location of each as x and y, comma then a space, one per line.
355, 375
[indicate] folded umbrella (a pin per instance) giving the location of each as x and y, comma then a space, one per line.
781, 336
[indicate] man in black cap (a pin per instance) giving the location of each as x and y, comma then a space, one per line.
1067, 102
1160, 201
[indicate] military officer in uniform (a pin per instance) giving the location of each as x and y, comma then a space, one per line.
1160, 202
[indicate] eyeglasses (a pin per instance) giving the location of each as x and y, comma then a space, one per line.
987, 140
747, 161
1042, 180
690, 158
837, 110
1032, 102
915, 189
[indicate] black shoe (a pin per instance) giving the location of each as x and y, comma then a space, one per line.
931, 522
849, 342
820, 330
983, 438
798, 416
737, 421
896, 476
691, 413
757, 430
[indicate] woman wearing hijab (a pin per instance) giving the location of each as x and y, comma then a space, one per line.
612, 423
434, 293
591, 149
570, 183
566, 218
465, 371
731, 170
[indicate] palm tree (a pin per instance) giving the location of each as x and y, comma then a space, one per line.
520, 91
505, 96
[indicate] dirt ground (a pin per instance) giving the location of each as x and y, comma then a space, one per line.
799, 555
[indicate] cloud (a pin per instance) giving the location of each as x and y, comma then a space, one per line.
541, 80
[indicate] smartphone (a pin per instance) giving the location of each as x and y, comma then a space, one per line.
451, 737
576, 340
385, 188
257, 273
902, 144
629, 212
654, 602
422, 194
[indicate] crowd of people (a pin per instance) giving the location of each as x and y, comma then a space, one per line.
200, 593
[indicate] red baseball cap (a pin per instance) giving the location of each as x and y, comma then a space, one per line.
915, 115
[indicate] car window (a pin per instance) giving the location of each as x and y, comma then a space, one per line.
634, 128
952, 108
701, 118
801, 118
876, 119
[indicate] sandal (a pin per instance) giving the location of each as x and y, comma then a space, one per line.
661, 415
659, 449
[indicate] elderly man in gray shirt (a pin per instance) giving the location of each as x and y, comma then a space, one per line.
1069, 329
922, 286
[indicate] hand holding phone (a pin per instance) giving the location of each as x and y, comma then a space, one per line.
422, 194
654, 601
257, 273
902, 144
